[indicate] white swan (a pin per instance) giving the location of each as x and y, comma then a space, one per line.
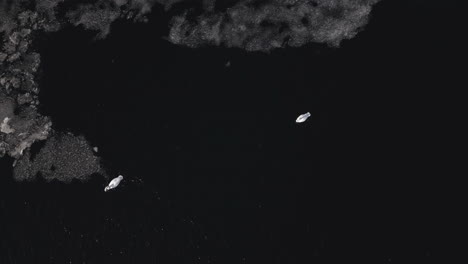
114, 183
303, 117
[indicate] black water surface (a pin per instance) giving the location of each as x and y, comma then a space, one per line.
217, 171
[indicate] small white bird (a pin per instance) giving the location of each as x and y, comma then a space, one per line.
303, 117
114, 183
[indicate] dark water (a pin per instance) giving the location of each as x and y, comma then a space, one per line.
217, 171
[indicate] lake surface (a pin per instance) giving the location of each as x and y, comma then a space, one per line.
215, 168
